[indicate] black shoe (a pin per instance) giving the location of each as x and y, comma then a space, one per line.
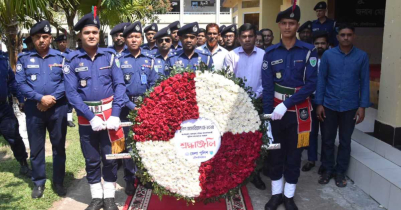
37, 191
129, 188
308, 166
96, 204
258, 183
289, 203
70, 124
274, 202
59, 189
119, 164
109, 204
25, 170
321, 170
148, 185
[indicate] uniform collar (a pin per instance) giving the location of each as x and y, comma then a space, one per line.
157, 55
82, 52
298, 44
127, 53
51, 52
182, 53
327, 19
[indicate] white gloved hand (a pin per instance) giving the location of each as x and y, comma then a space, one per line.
269, 131
279, 112
113, 123
97, 124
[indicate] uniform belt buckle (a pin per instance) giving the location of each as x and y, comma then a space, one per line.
97, 109
285, 97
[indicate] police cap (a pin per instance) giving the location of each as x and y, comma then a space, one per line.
60, 38
221, 28
174, 26
133, 28
190, 28
306, 25
163, 33
42, 27
290, 13
320, 5
202, 30
119, 28
87, 20
230, 28
151, 27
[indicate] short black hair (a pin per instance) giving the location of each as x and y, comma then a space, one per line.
247, 27
267, 29
342, 26
320, 34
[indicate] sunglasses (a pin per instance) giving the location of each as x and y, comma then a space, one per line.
167, 40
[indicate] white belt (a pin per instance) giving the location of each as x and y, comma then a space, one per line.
281, 96
100, 108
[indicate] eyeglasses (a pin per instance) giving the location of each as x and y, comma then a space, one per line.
167, 40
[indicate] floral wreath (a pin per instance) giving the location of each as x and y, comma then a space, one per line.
185, 95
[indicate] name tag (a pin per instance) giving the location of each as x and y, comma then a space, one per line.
277, 62
32, 66
126, 66
85, 68
106, 67
299, 61
158, 66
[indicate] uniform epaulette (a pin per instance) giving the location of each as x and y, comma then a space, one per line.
178, 52
308, 46
23, 54
272, 47
71, 55
204, 52
112, 51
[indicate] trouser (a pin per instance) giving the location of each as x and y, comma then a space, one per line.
345, 122
69, 108
55, 121
95, 146
129, 164
287, 160
313, 138
9, 129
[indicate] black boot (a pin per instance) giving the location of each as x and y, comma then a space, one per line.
129, 188
109, 204
289, 203
274, 202
96, 204
258, 183
24, 170
37, 191
70, 124
308, 166
59, 189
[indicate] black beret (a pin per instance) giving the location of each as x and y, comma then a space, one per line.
87, 20
190, 28
319, 34
119, 28
289, 14
202, 30
135, 27
320, 5
306, 25
60, 38
151, 27
230, 28
42, 27
221, 28
174, 26
28, 40
162, 33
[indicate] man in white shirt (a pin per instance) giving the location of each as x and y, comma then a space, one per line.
246, 59
217, 52
246, 62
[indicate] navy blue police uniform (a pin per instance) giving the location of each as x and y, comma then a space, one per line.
174, 26
307, 25
94, 80
119, 28
160, 65
329, 25
38, 77
181, 60
145, 47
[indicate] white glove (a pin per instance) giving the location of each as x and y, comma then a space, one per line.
269, 131
97, 124
113, 123
279, 112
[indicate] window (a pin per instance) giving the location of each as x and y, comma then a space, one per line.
249, 4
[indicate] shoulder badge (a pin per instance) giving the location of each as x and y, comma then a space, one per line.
265, 65
19, 67
66, 69
118, 62
313, 61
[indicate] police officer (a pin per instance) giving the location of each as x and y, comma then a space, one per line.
118, 39
189, 56
229, 35
163, 41
139, 76
289, 74
174, 27
8, 122
95, 87
323, 23
40, 80
220, 39
150, 46
61, 42
305, 32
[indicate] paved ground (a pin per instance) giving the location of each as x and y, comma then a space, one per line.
309, 196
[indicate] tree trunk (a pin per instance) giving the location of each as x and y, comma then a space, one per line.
13, 44
71, 36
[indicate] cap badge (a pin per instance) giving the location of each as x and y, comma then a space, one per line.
232, 28
125, 27
168, 31
137, 28
94, 21
195, 29
178, 25
46, 29
321, 6
292, 15
153, 27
